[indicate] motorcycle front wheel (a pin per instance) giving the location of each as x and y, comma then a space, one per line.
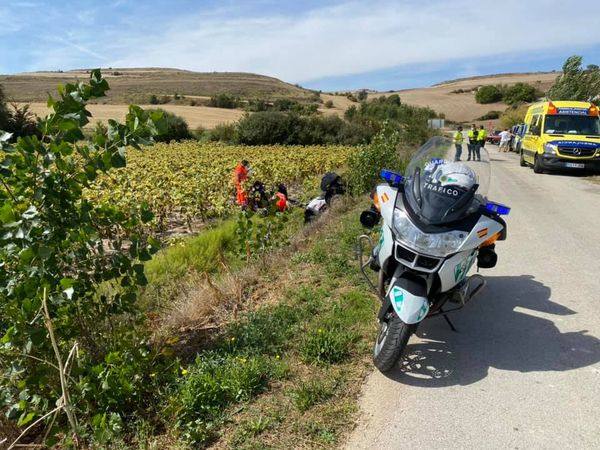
391, 341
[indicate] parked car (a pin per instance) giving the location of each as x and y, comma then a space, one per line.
494, 138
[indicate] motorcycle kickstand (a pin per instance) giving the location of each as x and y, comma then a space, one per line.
449, 322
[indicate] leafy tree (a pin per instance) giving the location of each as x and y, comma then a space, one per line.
69, 271
520, 93
488, 94
362, 95
576, 83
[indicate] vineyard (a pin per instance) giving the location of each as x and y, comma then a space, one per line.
190, 181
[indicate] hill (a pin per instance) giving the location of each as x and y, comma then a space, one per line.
460, 106
137, 85
455, 98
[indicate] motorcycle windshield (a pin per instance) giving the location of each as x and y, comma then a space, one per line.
441, 189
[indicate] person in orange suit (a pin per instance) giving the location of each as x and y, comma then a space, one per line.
240, 176
281, 198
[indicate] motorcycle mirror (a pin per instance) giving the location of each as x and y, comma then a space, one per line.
369, 218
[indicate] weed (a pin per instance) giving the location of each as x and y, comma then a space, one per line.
326, 345
310, 393
211, 384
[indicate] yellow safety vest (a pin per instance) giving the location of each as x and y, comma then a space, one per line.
482, 135
458, 137
472, 134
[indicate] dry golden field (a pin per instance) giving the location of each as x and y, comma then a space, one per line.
196, 116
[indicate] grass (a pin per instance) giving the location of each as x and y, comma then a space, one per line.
312, 392
286, 370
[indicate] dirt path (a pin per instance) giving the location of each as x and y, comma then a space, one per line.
523, 371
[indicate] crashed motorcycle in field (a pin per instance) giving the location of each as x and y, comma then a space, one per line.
437, 223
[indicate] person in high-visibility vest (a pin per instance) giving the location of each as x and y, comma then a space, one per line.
473, 142
481, 137
458, 142
240, 176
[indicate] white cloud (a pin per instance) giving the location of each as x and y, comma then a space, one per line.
348, 38
359, 37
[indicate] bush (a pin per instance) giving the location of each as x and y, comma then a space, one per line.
513, 116
267, 128
274, 127
175, 127
384, 152
224, 132
4, 114
520, 93
488, 94
329, 104
21, 122
256, 105
224, 101
153, 100
361, 95
490, 115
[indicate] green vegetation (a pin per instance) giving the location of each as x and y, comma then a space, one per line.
70, 272
490, 115
390, 149
514, 115
576, 83
488, 94
4, 114
272, 127
175, 128
223, 100
18, 121
511, 95
211, 339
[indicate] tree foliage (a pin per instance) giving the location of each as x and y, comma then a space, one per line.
488, 94
82, 260
576, 82
391, 149
520, 93
175, 128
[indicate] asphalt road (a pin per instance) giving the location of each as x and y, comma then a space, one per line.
523, 370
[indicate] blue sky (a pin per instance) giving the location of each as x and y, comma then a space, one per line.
329, 45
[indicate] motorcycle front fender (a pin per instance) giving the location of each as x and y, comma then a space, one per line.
408, 297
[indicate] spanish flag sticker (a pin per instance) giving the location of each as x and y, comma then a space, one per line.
483, 232
385, 197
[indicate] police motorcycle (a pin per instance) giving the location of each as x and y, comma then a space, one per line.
437, 223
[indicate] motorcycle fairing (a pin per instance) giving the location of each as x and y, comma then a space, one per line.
410, 307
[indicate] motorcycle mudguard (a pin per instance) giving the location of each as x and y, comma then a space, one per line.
408, 297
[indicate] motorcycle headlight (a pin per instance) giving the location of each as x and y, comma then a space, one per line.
434, 244
550, 149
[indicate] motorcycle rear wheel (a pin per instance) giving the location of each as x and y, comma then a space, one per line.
391, 341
